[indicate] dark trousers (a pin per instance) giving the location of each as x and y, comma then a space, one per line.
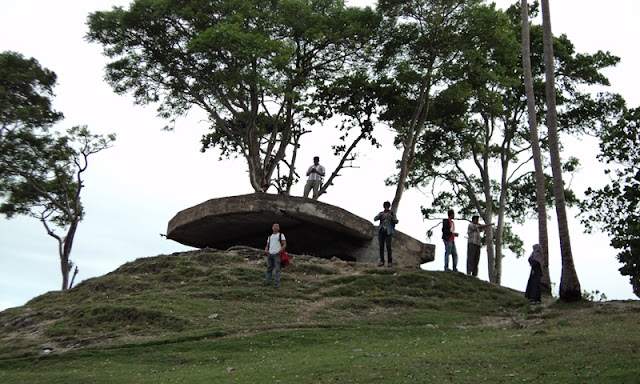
473, 258
384, 238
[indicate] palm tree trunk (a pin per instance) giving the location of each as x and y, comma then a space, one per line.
543, 238
569, 283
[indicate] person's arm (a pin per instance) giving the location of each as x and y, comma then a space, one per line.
320, 170
311, 169
266, 248
283, 243
394, 218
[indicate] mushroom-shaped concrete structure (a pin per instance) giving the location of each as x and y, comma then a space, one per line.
311, 227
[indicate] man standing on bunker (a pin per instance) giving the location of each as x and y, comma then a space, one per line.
386, 228
315, 173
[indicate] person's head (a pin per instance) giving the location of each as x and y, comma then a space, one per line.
316, 160
537, 247
451, 213
386, 205
275, 227
474, 219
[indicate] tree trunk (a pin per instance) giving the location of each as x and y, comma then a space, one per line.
492, 239
500, 228
543, 238
257, 175
65, 254
409, 143
569, 283
340, 165
491, 249
64, 268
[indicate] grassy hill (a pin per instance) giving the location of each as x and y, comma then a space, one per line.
203, 317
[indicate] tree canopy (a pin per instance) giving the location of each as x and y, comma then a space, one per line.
40, 168
26, 90
478, 141
615, 208
251, 65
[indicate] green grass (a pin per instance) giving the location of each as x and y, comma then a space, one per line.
203, 317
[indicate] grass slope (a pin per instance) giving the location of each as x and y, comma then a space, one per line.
203, 317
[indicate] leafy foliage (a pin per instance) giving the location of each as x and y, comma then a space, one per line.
26, 90
476, 153
40, 169
252, 66
419, 44
615, 208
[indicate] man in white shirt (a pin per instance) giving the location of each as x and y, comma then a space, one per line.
473, 245
276, 243
315, 173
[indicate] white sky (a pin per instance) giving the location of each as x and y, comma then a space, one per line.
134, 189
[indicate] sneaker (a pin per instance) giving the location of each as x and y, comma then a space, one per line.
381, 264
390, 265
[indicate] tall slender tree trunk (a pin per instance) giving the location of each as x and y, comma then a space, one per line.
409, 144
492, 247
500, 227
543, 238
569, 283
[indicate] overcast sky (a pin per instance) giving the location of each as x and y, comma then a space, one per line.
134, 189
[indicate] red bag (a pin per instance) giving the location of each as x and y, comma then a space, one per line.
284, 259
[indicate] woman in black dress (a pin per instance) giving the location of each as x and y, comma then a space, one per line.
534, 291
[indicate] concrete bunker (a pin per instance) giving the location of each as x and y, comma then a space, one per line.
311, 227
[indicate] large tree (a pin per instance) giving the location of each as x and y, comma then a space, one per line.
420, 40
40, 169
251, 65
479, 118
482, 119
615, 208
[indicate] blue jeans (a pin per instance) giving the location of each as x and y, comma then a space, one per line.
273, 261
450, 249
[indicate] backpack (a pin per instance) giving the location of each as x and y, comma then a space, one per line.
446, 230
